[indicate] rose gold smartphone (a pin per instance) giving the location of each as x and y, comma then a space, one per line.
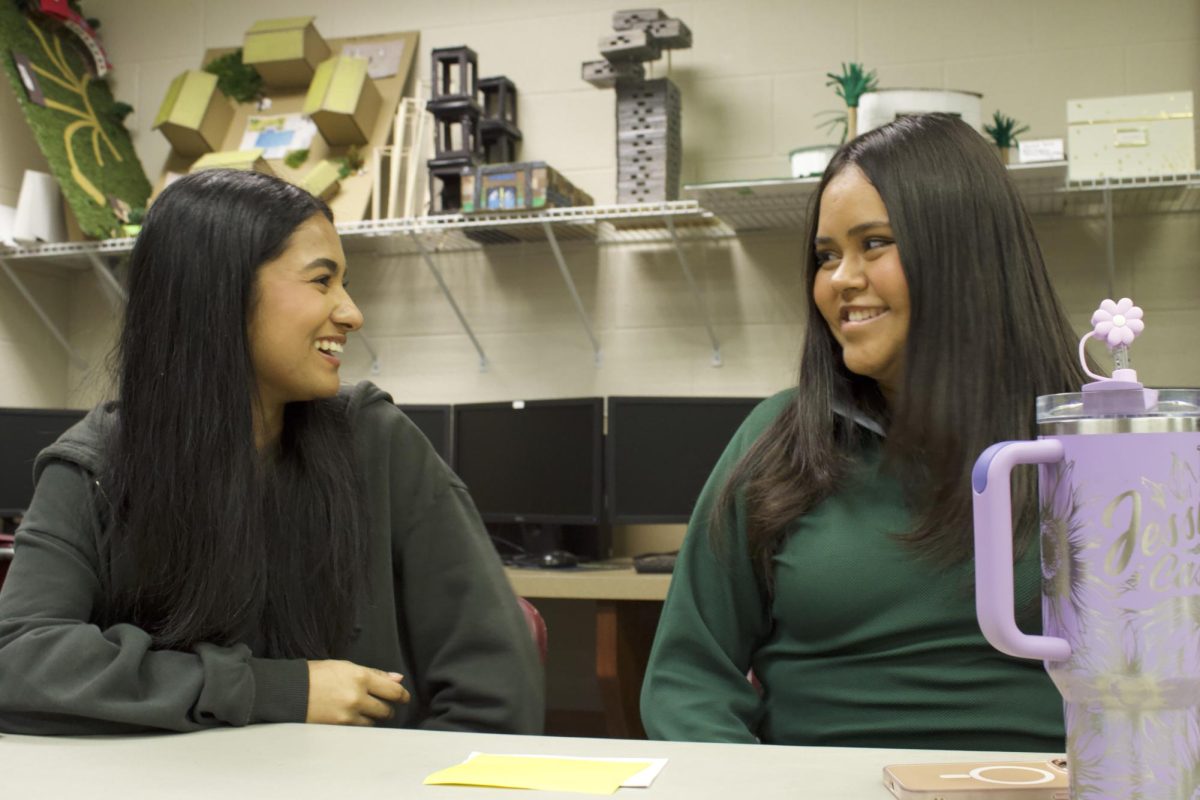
980, 780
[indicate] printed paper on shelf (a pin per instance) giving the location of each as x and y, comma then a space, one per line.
1034, 151
277, 134
383, 58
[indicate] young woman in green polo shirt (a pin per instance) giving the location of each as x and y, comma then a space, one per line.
830, 553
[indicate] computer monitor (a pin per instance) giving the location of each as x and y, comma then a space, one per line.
25, 432
661, 451
435, 422
539, 461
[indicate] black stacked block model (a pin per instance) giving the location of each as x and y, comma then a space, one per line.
649, 141
499, 124
467, 133
455, 107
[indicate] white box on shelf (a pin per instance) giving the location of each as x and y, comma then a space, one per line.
1130, 136
811, 161
881, 106
39, 215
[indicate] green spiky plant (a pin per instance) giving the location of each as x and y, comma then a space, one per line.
1004, 133
854, 81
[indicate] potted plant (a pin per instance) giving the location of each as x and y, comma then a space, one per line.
1004, 133
851, 85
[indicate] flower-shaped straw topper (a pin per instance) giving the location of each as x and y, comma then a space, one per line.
1117, 324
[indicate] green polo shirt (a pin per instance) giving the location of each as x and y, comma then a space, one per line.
863, 643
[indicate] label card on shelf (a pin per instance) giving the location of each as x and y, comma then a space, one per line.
1033, 151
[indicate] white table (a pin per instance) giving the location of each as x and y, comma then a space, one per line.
299, 762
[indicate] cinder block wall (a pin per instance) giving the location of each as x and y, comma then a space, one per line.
752, 85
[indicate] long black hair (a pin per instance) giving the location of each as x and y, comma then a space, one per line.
214, 541
986, 335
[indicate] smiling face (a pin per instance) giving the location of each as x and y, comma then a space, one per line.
860, 288
300, 318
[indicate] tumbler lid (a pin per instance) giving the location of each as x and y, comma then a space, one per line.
1053, 408
1120, 404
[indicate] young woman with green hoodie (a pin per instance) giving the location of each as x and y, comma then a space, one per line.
239, 538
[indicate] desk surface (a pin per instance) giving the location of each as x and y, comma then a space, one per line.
299, 762
584, 583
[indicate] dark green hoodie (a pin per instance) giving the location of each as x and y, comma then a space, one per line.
442, 612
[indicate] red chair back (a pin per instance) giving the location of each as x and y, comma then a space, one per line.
537, 626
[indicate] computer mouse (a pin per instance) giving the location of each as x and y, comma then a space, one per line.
557, 559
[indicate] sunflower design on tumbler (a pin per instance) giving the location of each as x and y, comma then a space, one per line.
1064, 570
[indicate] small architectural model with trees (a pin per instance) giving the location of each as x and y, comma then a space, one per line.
291, 103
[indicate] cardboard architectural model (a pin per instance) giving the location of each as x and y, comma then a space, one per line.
323, 105
649, 112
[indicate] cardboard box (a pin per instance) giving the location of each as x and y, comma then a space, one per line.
343, 101
324, 179
527, 186
1130, 136
285, 52
234, 159
194, 115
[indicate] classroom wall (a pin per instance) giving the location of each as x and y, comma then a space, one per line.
751, 85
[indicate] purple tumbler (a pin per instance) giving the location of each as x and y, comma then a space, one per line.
1119, 480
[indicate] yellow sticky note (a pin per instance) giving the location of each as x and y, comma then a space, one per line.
550, 774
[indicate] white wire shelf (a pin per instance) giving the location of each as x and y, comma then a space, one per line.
709, 211
597, 224
772, 204
612, 224
783, 203
75, 255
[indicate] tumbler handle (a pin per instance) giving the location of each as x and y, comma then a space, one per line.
994, 603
